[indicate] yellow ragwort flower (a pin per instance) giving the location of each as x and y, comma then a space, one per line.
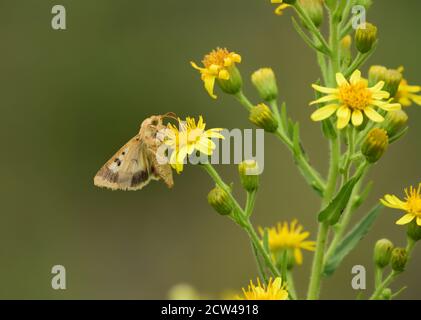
411, 205
216, 66
284, 237
282, 6
190, 137
275, 290
351, 100
407, 94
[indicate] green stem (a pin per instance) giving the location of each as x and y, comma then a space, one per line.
262, 272
251, 200
244, 101
378, 292
378, 276
259, 247
291, 286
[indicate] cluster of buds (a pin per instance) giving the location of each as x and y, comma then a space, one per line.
391, 77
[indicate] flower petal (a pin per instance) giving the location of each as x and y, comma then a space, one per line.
298, 255
419, 221
406, 219
378, 87
391, 106
325, 99
209, 85
357, 118
340, 79
355, 77
324, 112
344, 115
373, 115
324, 89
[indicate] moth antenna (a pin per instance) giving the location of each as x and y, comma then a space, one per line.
170, 115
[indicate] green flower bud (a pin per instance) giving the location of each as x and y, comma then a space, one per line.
265, 82
346, 56
365, 37
395, 122
235, 82
314, 9
399, 259
376, 74
262, 117
392, 79
383, 252
249, 175
375, 145
414, 231
220, 201
387, 294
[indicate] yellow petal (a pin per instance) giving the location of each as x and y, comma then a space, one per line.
379, 95
340, 79
378, 87
344, 115
357, 118
356, 77
419, 221
298, 255
391, 106
209, 85
325, 99
406, 219
194, 65
224, 74
416, 99
324, 89
324, 112
373, 115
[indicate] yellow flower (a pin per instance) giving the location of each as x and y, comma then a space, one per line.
284, 237
406, 94
273, 291
189, 138
352, 99
411, 205
282, 6
216, 66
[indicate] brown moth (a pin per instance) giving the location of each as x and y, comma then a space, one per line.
136, 164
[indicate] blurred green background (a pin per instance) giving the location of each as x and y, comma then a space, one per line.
69, 99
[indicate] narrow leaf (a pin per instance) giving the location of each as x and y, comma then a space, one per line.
351, 240
334, 210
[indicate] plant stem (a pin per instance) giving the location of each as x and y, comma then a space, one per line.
251, 199
244, 101
262, 272
378, 276
378, 292
291, 286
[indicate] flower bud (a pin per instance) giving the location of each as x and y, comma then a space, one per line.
314, 9
376, 74
395, 122
249, 175
387, 294
262, 117
375, 145
399, 259
392, 79
346, 56
220, 201
235, 82
365, 37
383, 252
414, 231
265, 82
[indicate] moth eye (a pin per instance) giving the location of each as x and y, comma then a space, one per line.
154, 122
123, 153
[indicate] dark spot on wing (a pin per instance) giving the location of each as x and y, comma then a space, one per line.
118, 161
110, 176
139, 178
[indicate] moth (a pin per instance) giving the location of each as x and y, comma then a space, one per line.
136, 163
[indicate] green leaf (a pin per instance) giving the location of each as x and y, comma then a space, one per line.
351, 240
334, 210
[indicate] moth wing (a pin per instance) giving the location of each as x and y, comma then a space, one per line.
129, 169
161, 171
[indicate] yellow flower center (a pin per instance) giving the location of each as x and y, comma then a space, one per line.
413, 200
216, 57
355, 96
